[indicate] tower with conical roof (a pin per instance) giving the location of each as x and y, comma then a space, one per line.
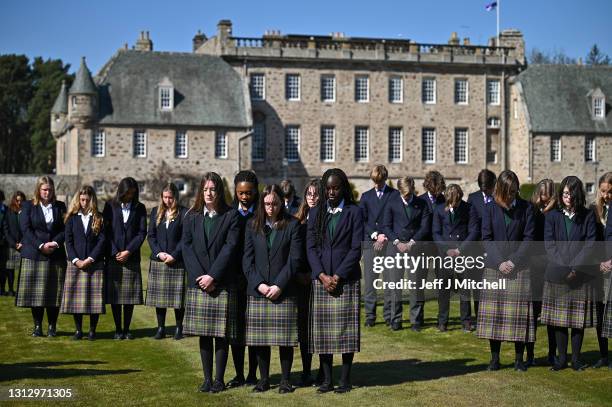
83, 97
59, 112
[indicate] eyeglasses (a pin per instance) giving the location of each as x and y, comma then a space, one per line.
311, 195
270, 204
567, 194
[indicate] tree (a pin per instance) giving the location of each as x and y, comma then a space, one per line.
557, 57
596, 57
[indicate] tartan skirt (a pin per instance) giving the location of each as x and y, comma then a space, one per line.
166, 285
84, 290
565, 307
13, 260
303, 300
507, 315
271, 323
123, 283
40, 283
334, 319
211, 314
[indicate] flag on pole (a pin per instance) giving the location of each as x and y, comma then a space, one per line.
491, 6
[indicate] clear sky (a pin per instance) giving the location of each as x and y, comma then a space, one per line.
69, 29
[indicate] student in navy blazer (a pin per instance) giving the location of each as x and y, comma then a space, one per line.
407, 225
605, 187
373, 206
291, 201
43, 257
454, 231
13, 236
125, 220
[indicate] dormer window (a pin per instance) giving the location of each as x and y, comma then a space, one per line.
166, 95
598, 104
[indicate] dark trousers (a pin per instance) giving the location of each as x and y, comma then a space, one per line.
393, 308
369, 298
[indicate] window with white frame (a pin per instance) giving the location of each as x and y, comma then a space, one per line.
292, 143
181, 185
461, 146
461, 91
362, 88
555, 148
98, 143
220, 144
493, 92
599, 108
590, 188
395, 144
362, 147
428, 145
180, 144
589, 149
258, 143
396, 89
428, 90
257, 85
166, 98
75, 101
140, 143
292, 86
328, 88
493, 122
328, 143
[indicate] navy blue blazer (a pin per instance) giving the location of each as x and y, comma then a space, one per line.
35, 232
81, 245
294, 206
214, 256
237, 259
397, 225
167, 240
574, 252
373, 210
439, 201
12, 231
462, 231
476, 200
125, 236
516, 235
340, 255
277, 265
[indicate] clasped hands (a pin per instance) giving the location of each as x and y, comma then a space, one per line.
271, 292
329, 283
206, 283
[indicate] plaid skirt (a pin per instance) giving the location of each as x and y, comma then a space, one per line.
40, 283
84, 290
507, 315
334, 319
211, 314
13, 260
568, 308
123, 283
166, 285
271, 323
303, 300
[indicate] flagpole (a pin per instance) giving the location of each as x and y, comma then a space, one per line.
497, 8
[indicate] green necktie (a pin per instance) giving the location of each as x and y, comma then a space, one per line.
270, 235
209, 222
452, 217
569, 225
507, 217
408, 210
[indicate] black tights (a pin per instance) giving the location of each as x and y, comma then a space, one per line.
160, 313
263, 361
561, 336
519, 349
306, 359
220, 355
38, 314
93, 322
128, 310
238, 357
327, 362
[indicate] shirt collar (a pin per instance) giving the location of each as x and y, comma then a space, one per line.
568, 213
381, 190
209, 213
47, 207
83, 214
336, 209
409, 201
126, 206
243, 212
268, 223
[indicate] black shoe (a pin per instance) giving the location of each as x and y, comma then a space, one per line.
552, 359
396, 326
51, 332
91, 336
558, 366
320, 378
530, 361
442, 328
251, 380
178, 334
37, 332
467, 327
118, 335
236, 382
217, 386
77, 335
161, 333
519, 366
325, 388
415, 328
205, 387
493, 365
305, 381
261, 386
128, 335
369, 323
343, 388
579, 366
603, 362
285, 387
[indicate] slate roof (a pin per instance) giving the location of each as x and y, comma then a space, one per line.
61, 102
207, 90
82, 81
558, 97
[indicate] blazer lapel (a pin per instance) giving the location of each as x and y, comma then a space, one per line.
213, 232
280, 235
513, 224
131, 215
340, 224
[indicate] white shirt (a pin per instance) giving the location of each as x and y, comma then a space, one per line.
569, 214
209, 213
337, 209
379, 192
85, 220
487, 198
48, 213
125, 210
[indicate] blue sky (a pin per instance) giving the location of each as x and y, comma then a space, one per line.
71, 29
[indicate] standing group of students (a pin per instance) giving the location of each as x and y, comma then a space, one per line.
271, 271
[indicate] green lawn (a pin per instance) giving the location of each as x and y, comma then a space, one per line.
427, 368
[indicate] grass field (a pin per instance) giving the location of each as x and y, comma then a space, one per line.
427, 368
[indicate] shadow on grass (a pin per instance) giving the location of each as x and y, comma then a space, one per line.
47, 370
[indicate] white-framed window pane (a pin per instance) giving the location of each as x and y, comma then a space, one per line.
590, 188
328, 88
98, 143
493, 92
362, 88
428, 145
257, 85
258, 144
396, 89
220, 144
555, 148
292, 87
589, 149
180, 144
328, 143
428, 90
181, 185
362, 144
493, 122
292, 143
599, 109
395, 144
461, 146
166, 98
461, 91
140, 143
